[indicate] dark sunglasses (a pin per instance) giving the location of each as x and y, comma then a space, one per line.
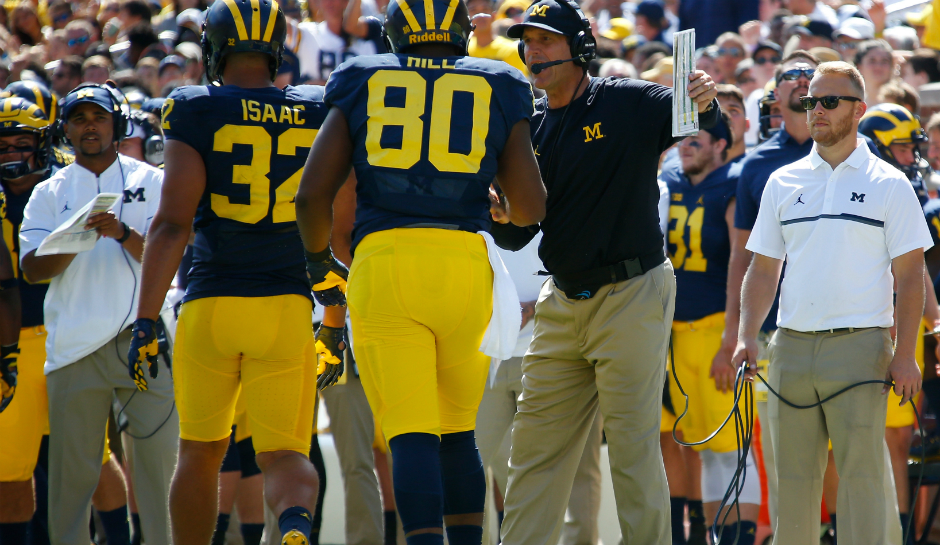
828, 102
733, 51
765, 60
795, 73
16, 149
78, 41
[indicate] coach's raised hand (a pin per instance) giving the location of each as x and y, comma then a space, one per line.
702, 90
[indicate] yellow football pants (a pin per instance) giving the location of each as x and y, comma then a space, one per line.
694, 346
420, 301
262, 344
902, 416
26, 419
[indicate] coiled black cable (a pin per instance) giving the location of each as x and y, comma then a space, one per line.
744, 428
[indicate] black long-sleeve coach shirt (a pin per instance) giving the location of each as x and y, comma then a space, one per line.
602, 205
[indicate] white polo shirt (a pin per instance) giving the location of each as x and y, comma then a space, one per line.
97, 295
838, 230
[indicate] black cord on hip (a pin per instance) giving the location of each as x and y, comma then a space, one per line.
744, 429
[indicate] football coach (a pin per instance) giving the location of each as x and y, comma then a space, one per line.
602, 322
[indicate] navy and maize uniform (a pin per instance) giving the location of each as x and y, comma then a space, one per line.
427, 133
26, 419
699, 246
246, 315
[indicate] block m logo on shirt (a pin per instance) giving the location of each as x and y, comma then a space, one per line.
855, 197
138, 195
592, 133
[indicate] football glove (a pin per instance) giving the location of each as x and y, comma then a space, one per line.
8, 371
327, 278
330, 343
143, 352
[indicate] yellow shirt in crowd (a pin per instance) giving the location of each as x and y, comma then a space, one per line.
500, 49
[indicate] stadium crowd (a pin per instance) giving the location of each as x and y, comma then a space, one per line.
762, 53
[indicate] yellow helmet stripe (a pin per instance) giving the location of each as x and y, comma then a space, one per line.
429, 14
902, 130
272, 17
449, 16
39, 101
255, 20
239, 20
406, 9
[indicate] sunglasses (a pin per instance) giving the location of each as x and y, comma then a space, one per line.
78, 41
828, 102
16, 149
765, 60
732, 51
795, 73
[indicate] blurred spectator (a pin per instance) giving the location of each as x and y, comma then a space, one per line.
647, 50
171, 71
650, 20
813, 9
900, 93
145, 139
605, 11
875, 62
323, 46
921, 68
288, 73
60, 14
509, 13
705, 60
140, 36
192, 53
132, 13
812, 33
79, 34
617, 68
484, 44
850, 33
731, 51
661, 73
712, 18
611, 40
67, 75
901, 38
765, 56
743, 78
777, 26
825, 54
189, 25
933, 141
25, 24
108, 9
148, 74
96, 69
731, 100
57, 46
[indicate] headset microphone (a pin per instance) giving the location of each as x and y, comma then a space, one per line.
539, 66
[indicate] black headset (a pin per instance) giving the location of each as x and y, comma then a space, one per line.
153, 142
120, 112
583, 44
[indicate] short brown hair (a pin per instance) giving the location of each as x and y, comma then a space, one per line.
844, 69
933, 123
95, 61
798, 54
726, 90
901, 93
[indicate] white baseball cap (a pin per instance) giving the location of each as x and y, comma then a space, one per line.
856, 28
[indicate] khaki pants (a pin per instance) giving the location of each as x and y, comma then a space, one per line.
353, 433
607, 353
805, 368
80, 395
493, 435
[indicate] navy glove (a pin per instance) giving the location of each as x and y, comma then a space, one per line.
143, 352
327, 278
8, 371
330, 343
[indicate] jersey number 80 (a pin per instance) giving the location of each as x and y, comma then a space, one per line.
409, 118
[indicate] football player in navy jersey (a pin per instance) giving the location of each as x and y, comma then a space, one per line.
233, 159
427, 129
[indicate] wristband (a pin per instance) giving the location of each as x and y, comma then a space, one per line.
126, 235
322, 255
9, 283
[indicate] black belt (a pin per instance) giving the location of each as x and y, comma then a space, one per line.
584, 285
835, 330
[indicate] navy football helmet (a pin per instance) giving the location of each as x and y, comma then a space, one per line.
427, 22
239, 26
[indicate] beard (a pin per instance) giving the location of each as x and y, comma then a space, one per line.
794, 101
699, 166
835, 132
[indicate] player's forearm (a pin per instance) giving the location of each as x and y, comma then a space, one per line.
39, 268
351, 16
757, 294
135, 245
315, 221
334, 316
910, 301
737, 268
10, 316
162, 253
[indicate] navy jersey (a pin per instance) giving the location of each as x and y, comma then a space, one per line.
32, 296
932, 214
254, 143
427, 133
698, 241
